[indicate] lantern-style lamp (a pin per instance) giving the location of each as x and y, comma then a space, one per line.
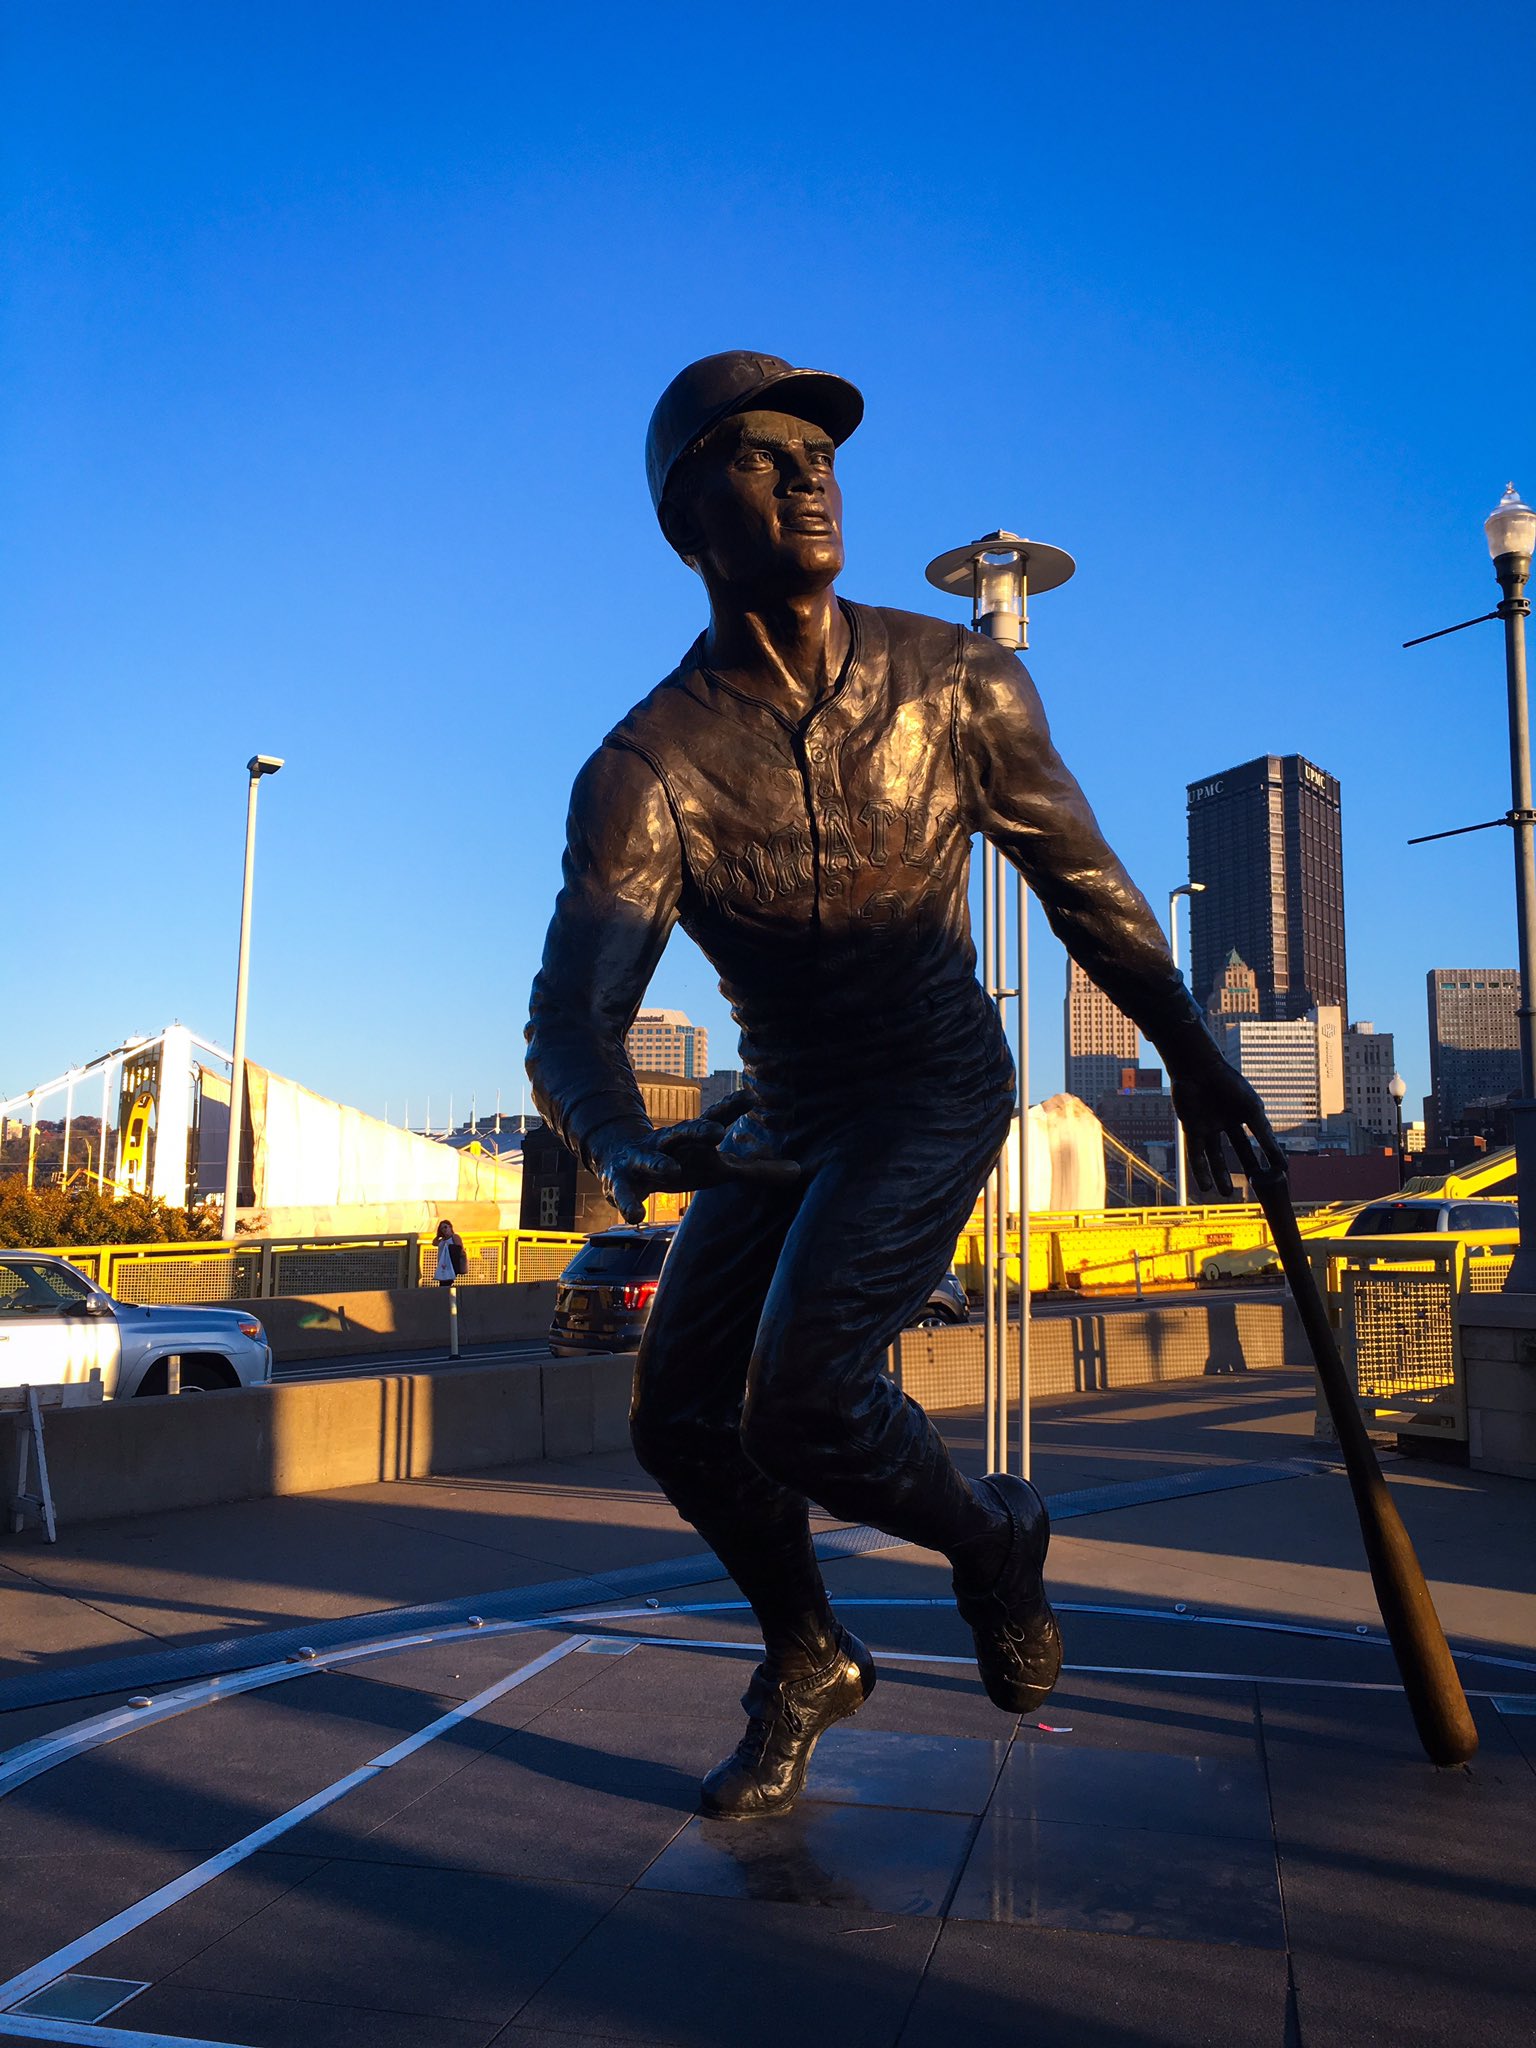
997, 573
1511, 527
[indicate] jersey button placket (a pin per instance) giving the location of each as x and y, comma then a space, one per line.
826, 796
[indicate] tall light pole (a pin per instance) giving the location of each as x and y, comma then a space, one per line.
1511, 531
1180, 1157
997, 573
256, 767
1397, 1088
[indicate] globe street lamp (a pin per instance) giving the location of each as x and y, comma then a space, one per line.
256, 767
1180, 1157
1397, 1088
996, 573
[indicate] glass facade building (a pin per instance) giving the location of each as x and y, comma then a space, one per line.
1474, 1039
1265, 840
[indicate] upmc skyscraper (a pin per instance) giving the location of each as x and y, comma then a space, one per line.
1264, 839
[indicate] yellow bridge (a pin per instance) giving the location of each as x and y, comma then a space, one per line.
1087, 1251
1115, 1251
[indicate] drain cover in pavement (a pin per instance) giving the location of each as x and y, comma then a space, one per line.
79, 1998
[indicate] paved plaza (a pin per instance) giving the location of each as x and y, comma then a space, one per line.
429, 1830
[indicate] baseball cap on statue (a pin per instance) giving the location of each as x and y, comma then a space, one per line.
711, 389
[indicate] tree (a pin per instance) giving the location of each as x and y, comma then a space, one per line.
54, 1216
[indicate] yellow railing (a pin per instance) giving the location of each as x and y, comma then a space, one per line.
1110, 1251
252, 1269
1398, 1304
1087, 1251
1106, 1250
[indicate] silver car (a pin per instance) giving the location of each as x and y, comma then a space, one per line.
56, 1325
1414, 1215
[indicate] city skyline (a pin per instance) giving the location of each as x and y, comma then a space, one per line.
294, 465
1094, 1012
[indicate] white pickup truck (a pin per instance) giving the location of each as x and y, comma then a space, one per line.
56, 1326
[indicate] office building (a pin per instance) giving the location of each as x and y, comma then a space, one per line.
1369, 1064
560, 1194
722, 1082
1295, 1066
1140, 1114
1100, 1040
1474, 1041
1264, 839
1236, 994
664, 1042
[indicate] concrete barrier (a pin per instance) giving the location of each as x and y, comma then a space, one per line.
1095, 1350
341, 1325
1498, 1361
149, 1456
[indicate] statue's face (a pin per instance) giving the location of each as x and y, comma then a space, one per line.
758, 506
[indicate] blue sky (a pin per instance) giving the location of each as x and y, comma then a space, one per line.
331, 338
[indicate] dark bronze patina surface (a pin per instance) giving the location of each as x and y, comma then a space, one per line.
801, 794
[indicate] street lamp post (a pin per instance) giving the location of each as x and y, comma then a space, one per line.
1397, 1088
256, 767
1511, 531
1180, 1156
997, 573
1511, 534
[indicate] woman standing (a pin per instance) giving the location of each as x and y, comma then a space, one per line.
452, 1260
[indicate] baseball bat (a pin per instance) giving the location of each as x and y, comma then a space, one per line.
1435, 1696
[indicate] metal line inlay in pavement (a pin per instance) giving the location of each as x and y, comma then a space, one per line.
63, 1960
152, 1670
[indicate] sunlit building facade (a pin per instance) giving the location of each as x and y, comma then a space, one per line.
664, 1042
1100, 1039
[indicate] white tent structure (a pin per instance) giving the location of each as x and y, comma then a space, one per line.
1066, 1155
308, 1163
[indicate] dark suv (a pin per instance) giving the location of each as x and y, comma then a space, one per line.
604, 1296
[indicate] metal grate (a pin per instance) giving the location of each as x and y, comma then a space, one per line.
1487, 1276
1136, 1493
545, 1261
485, 1267
1404, 1340
347, 1269
230, 1276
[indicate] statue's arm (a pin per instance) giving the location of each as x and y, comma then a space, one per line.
617, 905
1024, 798
1027, 801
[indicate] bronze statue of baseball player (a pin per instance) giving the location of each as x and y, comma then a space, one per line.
801, 794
